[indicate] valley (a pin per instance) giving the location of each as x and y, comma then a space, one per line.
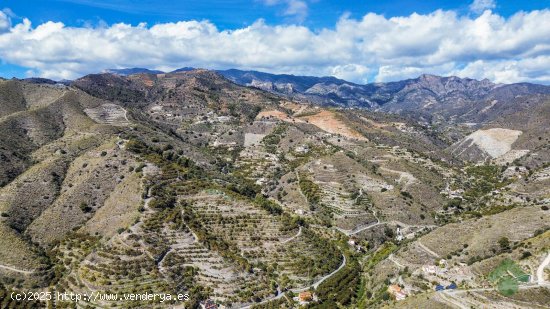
253, 190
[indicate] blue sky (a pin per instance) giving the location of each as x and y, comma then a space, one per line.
231, 14
361, 40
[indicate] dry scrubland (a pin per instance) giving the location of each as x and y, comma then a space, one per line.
188, 183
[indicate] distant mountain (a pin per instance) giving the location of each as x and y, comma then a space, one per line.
38, 80
300, 83
130, 71
185, 69
452, 98
329, 91
428, 97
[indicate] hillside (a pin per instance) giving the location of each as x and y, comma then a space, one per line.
188, 182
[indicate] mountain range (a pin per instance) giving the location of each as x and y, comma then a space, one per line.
453, 98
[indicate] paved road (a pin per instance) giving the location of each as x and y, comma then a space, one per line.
359, 230
378, 222
365, 228
405, 225
316, 284
298, 290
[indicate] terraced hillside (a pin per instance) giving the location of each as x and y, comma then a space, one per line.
187, 183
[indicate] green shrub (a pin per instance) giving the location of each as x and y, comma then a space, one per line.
85, 208
268, 205
310, 189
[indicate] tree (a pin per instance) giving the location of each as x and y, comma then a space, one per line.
85, 208
504, 243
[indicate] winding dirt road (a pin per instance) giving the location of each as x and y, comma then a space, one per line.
10, 268
540, 270
293, 237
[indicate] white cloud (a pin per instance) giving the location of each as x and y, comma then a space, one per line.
374, 47
400, 72
295, 8
354, 72
509, 71
478, 6
5, 22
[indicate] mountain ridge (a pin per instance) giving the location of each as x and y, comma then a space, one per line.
428, 97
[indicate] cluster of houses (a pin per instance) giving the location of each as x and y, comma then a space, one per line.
439, 269
212, 118
452, 194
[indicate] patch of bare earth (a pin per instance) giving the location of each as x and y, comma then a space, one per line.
329, 122
495, 142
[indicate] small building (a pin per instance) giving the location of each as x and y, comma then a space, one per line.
302, 149
305, 296
430, 269
399, 235
397, 292
208, 304
439, 287
224, 118
451, 286
261, 181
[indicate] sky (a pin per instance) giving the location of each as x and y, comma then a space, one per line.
362, 41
